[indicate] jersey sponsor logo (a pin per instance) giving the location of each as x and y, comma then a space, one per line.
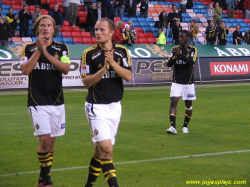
63, 126
64, 53
23, 60
191, 95
229, 68
125, 62
110, 74
94, 57
58, 49
180, 62
85, 69
44, 66
119, 54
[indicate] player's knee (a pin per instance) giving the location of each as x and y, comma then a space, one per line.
44, 143
106, 152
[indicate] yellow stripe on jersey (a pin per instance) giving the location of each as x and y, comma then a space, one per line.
127, 53
195, 53
23, 51
84, 56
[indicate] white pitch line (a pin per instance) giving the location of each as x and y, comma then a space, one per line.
136, 161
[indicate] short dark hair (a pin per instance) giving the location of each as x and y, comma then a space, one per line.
160, 28
110, 23
186, 33
11, 8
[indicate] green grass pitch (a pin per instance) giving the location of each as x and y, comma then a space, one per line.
144, 156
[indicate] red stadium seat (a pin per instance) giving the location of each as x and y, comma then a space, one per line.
143, 40
16, 2
151, 40
140, 34
66, 23
17, 7
137, 41
88, 41
86, 34
82, 20
76, 34
78, 40
66, 28
94, 40
67, 34
81, 14
75, 29
150, 34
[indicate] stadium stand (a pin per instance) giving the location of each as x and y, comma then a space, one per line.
145, 27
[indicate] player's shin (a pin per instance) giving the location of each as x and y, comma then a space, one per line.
45, 165
109, 172
94, 171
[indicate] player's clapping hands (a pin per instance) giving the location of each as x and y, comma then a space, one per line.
109, 58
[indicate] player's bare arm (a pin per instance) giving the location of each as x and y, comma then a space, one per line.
122, 72
28, 66
91, 80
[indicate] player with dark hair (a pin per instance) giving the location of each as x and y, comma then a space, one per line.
45, 61
104, 66
182, 59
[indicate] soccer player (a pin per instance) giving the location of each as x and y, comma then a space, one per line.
45, 61
182, 59
104, 66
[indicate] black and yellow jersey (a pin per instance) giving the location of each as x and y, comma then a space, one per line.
183, 65
247, 37
211, 33
223, 31
45, 81
110, 88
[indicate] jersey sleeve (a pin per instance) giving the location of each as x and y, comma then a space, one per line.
85, 64
171, 59
126, 61
65, 54
24, 55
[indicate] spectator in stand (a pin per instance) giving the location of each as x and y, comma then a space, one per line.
132, 29
222, 3
242, 6
31, 2
223, 31
119, 6
183, 4
4, 32
217, 13
210, 13
12, 19
246, 6
35, 15
247, 37
1, 12
163, 22
65, 4
131, 5
177, 28
110, 9
237, 36
58, 17
91, 19
118, 37
231, 6
101, 12
189, 4
24, 17
173, 16
144, 9
87, 4
193, 30
73, 8
162, 38
211, 34
128, 36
